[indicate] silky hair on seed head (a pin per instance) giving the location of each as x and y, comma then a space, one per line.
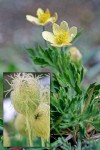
25, 92
20, 124
45, 95
41, 121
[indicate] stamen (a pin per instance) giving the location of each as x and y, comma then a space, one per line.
61, 36
43, 17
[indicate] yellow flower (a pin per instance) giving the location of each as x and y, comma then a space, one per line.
62, 35
43, 17
75, 54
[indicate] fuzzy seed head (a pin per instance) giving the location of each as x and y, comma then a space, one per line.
25, 95
20, 124
45, 95
41, 121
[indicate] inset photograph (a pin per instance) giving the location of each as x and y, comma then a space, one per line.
26, 110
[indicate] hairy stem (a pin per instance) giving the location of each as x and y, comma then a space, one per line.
43, 142
29, 130
47, 143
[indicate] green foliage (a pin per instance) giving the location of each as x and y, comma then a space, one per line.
1, 132
61, 143
1, 122
1, 128
1, 147
71, 107
88, 145
60, 63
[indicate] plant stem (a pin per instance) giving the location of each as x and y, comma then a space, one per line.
43, 142
43, 28
57, 122
47, 143
44, 40
29, 130
62, 48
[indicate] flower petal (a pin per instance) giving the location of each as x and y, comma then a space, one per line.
53, 18
32, 19
66, 44
48, 36
47, 11
56, 28
60, 45
69, 39
64, 25
73, 31
40, 11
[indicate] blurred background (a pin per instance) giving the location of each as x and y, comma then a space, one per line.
17, 34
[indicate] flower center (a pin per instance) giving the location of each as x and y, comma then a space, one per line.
43, 17
62, 36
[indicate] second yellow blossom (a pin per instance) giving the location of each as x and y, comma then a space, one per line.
43, 17
62, 35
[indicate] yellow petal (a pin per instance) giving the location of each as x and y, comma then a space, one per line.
69, 39
48, 36
40, 11
47, 11
64, 25
53, 18
32, 19
67, 44
61, 45
56, 28
73, 31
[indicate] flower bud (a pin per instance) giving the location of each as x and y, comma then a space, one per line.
75, 54
25, 95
